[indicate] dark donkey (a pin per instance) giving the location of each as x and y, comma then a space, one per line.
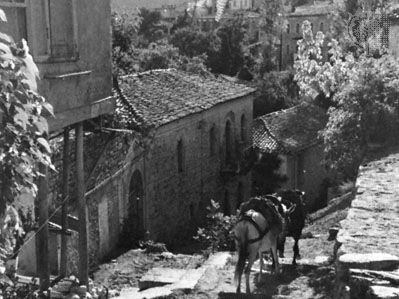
296, 220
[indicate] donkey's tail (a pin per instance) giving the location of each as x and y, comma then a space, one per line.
240, 233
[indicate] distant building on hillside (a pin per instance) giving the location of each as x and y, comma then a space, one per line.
317, 15
121, 5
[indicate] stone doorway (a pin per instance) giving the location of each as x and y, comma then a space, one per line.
136, 205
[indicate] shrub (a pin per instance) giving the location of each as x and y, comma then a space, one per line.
216, 235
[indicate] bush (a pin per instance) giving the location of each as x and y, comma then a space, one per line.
217, 233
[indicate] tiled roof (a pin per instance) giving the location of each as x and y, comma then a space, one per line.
290, 130
310, 9
154, 98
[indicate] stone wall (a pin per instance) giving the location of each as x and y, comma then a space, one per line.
368, 242
176, 201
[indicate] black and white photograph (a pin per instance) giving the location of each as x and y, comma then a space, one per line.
199, 149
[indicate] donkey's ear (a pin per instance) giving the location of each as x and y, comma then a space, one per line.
291, 209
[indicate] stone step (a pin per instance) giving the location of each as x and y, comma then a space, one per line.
161, 282
157, 277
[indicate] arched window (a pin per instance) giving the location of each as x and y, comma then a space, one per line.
288, 49
243, 128
228, 141
297, 28
288, 28
212, 141
180, 155
321, 26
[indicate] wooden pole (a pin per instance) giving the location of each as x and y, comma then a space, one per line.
65, 194
42, 252
80, 184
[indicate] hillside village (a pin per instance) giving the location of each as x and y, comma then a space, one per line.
134, 132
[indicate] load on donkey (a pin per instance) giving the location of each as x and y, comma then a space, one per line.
263, 225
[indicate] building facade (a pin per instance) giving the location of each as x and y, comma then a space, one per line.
317, 14
187, 136
70, 42
292, 134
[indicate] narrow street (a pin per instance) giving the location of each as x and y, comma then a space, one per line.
312, 278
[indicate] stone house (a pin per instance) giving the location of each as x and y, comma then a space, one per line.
185, 136
293, 135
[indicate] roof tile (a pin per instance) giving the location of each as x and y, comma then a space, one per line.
158, 97
290, 130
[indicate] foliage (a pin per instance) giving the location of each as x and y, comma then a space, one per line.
266, 179
124, 29
156, 57
217, 233
277, 90
231, 57
362, 99
23, 112
150, 24
314, 75
192, 42
369, 96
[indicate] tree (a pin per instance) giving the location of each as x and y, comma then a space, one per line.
277, 90
124, 29
149, 25
361, 93
230, 58
316, 77
23, 136
192, 42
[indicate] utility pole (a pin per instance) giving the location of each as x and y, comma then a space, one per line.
80, 187
42, 252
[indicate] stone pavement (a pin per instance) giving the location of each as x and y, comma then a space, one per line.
369, 236
161, 282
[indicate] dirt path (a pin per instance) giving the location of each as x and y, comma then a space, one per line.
313, 278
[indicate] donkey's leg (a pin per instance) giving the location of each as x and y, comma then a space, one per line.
253, 251
275, 257
281, 245
273, 262
296, 250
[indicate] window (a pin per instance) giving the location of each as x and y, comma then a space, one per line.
16, 26
288, 28
180, 155
243, 128
288, 49
321, 26
55, 29
62, 26
212, 141
228, 142
297, 28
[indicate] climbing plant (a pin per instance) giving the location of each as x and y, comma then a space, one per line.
23, 123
